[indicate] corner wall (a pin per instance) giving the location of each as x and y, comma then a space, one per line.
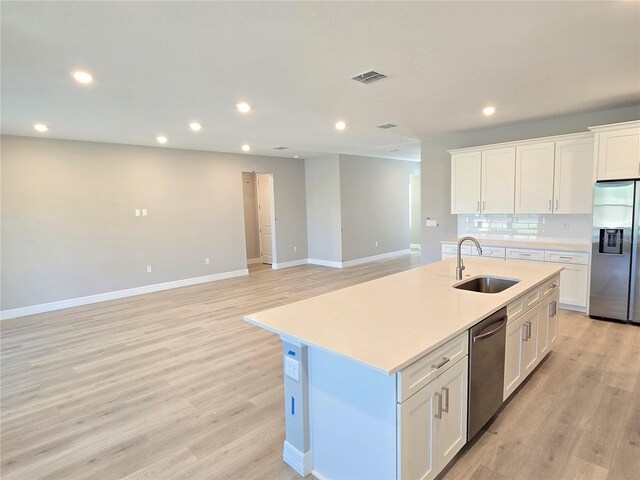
436, 167
374, 194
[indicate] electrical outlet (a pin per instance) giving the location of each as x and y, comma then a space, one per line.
148, 268
206, 261
144, 212
137, 212
295, 249
376, 244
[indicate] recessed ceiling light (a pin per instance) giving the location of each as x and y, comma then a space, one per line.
246, 148
162, 139
341, 125
243, 107
488, 111
195, 126
82, 77
41, 127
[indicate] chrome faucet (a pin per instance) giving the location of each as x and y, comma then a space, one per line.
460, 264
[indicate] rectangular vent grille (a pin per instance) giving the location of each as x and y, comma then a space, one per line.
280, 148
386, 125
369, 77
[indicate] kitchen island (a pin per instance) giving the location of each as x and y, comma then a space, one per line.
364, 365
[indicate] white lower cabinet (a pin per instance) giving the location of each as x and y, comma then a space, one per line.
432, 424
529, 339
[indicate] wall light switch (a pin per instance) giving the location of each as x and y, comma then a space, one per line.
137, 212
295, 249
376, 244
432, 223
206, 260
144, 212
148, 268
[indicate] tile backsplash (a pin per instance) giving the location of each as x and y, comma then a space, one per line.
544, 228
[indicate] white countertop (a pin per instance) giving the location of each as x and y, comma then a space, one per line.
532, 244
389, 323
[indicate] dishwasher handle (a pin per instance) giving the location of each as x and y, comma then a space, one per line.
502, 322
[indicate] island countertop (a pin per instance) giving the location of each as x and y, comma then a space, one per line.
389, 323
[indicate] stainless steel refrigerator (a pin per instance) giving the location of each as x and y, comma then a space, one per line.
615, 255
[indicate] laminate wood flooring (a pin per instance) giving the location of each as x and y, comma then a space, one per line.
174, 385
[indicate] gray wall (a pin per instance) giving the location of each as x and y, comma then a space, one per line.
436, 170
249, 202
68, 224
322, 179
374, 194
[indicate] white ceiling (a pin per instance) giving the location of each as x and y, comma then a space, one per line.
160, 65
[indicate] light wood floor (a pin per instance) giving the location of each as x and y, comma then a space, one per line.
174, 385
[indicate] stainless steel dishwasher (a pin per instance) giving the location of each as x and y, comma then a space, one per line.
486, 370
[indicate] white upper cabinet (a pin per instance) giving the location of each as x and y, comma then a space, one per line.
573, 180
465, 182
534, 177
498, 173
617, 150
552, 175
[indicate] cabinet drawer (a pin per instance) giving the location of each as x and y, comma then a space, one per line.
420, 373
550, 286
452, 248
523, 303
580, 258
525, 254
492, 252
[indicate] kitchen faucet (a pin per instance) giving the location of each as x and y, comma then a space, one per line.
460, 264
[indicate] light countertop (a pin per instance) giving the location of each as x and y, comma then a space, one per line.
389, 323
532, 244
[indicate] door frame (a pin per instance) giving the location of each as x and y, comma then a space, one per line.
274, 253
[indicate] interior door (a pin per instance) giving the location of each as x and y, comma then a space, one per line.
498, 180
534, 178
265, 216
452, 431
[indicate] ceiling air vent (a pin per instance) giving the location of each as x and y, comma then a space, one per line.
386, 125
280, 148
369, 77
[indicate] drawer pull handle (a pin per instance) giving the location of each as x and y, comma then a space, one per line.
442, 362
524, 254
567, 258
438, 414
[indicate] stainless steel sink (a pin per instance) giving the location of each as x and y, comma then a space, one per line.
486, 284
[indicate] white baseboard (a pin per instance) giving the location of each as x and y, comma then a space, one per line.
325, 263
359, 261
292, 263
251, 261
415, 246
129, 292
300, 462
573, 308
318, 475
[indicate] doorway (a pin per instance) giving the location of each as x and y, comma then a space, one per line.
259, 221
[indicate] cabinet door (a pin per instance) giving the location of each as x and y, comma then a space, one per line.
573, 184
452, 427
552, 329
573, 284
619, 154
416, 432
534, 178
543, 328
513, 357
530, 323
498, 180
465, 182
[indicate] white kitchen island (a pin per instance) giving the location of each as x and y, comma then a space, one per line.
364, 365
